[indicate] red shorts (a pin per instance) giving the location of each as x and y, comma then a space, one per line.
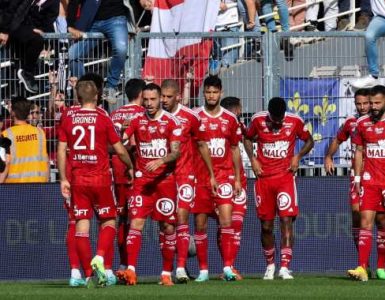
155, 198
85, 199
277, 195
205, 202
372, 197
354, 196
186, 192
240, 203
122, 193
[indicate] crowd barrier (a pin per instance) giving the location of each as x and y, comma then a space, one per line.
33, 225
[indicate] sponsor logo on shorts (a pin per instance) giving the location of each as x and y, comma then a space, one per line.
225, 190
186, 193
165, 206
103, 210
284, 201
80, 212
241, 199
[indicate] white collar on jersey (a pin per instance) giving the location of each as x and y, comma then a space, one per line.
159, 117
211, 116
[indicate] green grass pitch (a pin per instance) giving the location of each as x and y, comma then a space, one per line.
302, 287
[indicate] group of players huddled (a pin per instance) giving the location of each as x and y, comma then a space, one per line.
189, 162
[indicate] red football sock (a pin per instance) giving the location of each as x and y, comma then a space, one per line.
134, 241
83, 247
227, 237
71, 246
380, 249
286, 256
364, 247
167, 244
182, 244
122, 237
105, 240
356, 234
201, 244
237, 224
269, 254
219, 241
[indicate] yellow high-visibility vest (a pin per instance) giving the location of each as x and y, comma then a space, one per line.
29, 159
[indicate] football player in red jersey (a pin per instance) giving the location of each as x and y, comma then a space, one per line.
184, 172
234, 105
157, 135
86, 133
120, 118
275, 132
220, 129
346, 131
369, 180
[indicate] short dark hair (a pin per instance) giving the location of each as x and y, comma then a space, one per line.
133, 88
378, 89
152, 87
277, 107
170, 84
362, 92
214, 81
21, 108
230, 102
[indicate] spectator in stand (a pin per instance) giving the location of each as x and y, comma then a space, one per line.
375, 30
115, 19
297, 16
330, 9
23, 22
29, 159
364, 15
5, 115
5, 157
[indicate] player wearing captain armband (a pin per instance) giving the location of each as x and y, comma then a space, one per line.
369, 180
157, 135
221, 129
86, 133
275, 132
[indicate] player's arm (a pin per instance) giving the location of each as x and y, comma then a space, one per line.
170, 158
236, 154
205, 153
61, 164
4, 174
328, 163
307, 146
255, 163
358, 163
121, 151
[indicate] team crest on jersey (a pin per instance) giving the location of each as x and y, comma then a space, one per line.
378, 130
152, 129
186, 193
225, 190
134, 211
287, 132
165, 206
241, 199
213, 126
223, 128
143, 128
162, 129
284, 201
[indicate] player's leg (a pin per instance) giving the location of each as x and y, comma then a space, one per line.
108, 260
201, 244
268, 246
167, 242
287, 238
226, 239
121, 193
380, 222
356, 219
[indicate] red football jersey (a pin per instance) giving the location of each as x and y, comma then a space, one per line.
88, 132
125, 113
190, 123
275, 147
152, 139
346, 131
372, 137
221, 132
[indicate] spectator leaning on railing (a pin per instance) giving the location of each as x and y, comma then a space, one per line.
29, 160
5, 158
23, 22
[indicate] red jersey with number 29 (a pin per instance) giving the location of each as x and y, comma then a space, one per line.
88, 132
276, 146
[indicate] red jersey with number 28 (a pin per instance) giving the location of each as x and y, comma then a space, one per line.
221, 132
119, 116
372, 137
153, 138
276, 146
88, 132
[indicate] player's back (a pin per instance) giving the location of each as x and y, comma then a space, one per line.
88, 132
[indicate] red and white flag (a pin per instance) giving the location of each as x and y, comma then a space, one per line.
172, 58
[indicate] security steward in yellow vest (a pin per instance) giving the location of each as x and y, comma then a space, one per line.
29, 159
